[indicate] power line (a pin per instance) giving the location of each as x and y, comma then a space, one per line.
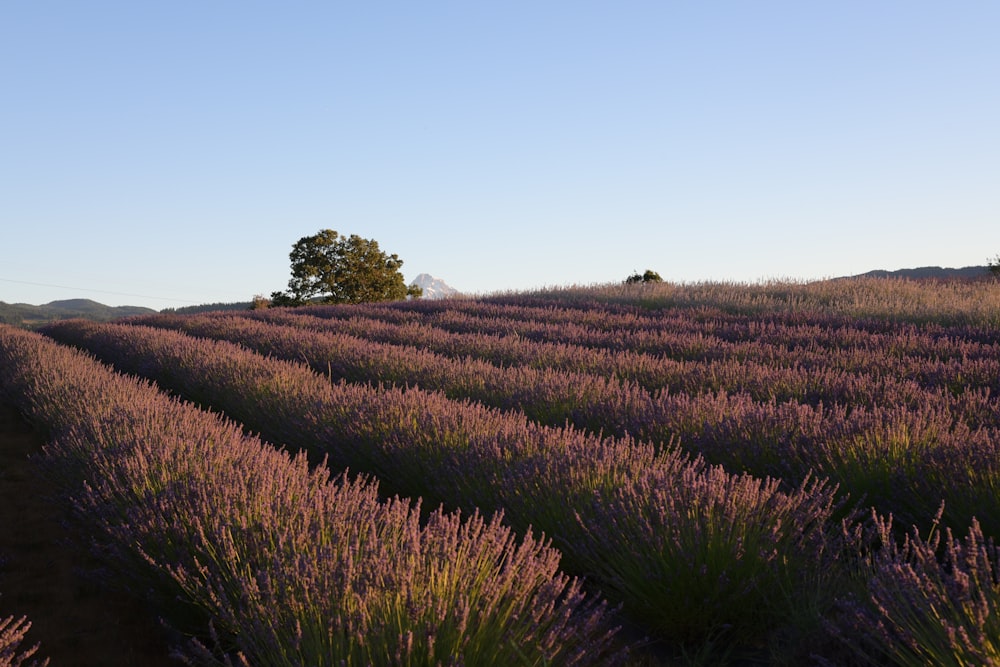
96, 291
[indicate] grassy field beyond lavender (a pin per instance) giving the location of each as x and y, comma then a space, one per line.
773, 474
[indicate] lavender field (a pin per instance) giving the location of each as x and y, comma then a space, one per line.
774, 474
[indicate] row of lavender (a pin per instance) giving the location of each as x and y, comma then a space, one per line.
974, 302
804, 363
642, 328
903, 443
678, 335
707, 530
691, 551
769, 362
278, 563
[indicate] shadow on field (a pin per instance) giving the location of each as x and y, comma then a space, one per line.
44, 575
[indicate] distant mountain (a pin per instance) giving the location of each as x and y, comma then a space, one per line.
434, 288
88, 308
931, 273
23, 314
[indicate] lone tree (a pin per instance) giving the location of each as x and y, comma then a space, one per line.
331, 268
649, 276
994, 266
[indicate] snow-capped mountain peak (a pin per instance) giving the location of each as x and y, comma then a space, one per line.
434, 288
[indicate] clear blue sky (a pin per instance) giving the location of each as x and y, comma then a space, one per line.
169, 153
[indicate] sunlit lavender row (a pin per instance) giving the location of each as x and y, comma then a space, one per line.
893, 300
776, 361
887, 300
633, 347
910, 420
835, 363
271, 563
769, 361
877, 302
691, 551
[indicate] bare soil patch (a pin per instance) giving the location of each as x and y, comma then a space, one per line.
46, 576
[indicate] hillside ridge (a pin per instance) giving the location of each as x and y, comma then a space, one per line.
930, 272
24, 314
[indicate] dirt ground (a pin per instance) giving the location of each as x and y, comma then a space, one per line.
43, 576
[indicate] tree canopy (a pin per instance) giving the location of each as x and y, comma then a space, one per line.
994, 266
649, 276
328, 267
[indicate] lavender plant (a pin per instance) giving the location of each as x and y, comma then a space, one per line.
932, 600
888, 389
289, 567
472, 457
904, 458
12, 653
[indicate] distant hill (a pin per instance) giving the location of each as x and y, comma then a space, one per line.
932, 273
26, 315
